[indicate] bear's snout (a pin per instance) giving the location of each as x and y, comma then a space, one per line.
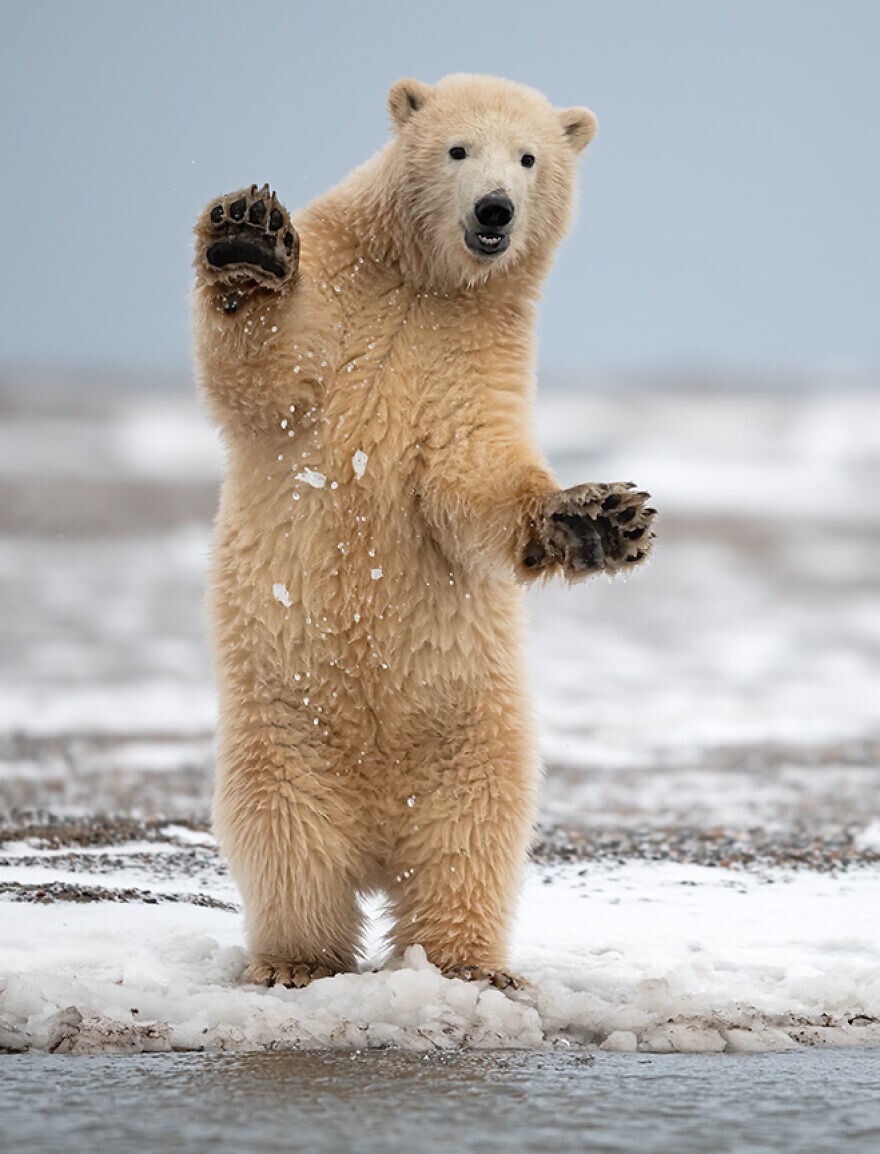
494, 210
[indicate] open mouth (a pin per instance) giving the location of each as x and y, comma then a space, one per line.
486, 242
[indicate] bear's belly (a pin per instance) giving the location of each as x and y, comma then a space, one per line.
352, 590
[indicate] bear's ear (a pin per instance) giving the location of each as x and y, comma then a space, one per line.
579, 126
405, 98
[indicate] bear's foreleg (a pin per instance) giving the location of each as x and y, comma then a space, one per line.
499, 508
248, 307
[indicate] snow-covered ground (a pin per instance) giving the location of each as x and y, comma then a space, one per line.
711, 731
642, 955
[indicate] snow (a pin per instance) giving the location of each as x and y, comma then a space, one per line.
182, 833
312, 477
279, 592
359, 462
653, 957
139, 706
376, 573
869, 837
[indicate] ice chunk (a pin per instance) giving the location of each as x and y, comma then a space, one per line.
359, 461
312, 477
376, 573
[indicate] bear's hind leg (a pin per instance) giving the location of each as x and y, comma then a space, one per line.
464, 819
292, 847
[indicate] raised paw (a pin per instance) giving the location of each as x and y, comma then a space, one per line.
591, 529
245, 240
497, 978
275, 972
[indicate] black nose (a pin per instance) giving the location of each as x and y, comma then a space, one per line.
495, 209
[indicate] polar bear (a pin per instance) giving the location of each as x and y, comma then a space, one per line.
383, 508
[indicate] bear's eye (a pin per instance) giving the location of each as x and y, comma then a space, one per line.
457, 152
527, 160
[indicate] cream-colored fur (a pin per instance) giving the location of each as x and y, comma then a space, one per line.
383, 491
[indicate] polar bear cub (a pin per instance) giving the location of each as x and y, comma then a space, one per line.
370, 363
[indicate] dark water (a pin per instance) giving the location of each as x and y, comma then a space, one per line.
807, 1102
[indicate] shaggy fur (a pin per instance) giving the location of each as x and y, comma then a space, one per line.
383, 504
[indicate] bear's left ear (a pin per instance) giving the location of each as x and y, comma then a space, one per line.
579, 126
405, 98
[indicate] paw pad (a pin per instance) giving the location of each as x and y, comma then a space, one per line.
591, 528
247, 240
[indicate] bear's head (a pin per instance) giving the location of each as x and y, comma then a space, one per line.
486, 174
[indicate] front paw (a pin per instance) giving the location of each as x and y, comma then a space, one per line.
590, 529
245, 240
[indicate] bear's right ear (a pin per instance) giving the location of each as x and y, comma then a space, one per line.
405, 98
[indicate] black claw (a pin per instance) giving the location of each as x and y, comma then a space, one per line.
217, 213
536, 554
236, 209
643, 495
650, 512
275, 220
611, 502
636, 557
257, 213
627, 515
288, 241
634, 534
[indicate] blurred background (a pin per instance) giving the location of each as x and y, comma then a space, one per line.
710, 330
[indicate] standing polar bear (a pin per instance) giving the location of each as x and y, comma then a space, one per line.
383, 507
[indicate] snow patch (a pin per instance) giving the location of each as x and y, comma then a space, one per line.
869, 838
183, 833
376, 573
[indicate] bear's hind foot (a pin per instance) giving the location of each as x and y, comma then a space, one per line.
294, 975
497, 978
245, 241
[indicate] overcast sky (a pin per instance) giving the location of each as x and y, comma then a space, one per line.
728, 209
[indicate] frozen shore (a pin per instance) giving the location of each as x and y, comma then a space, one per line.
138, 947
